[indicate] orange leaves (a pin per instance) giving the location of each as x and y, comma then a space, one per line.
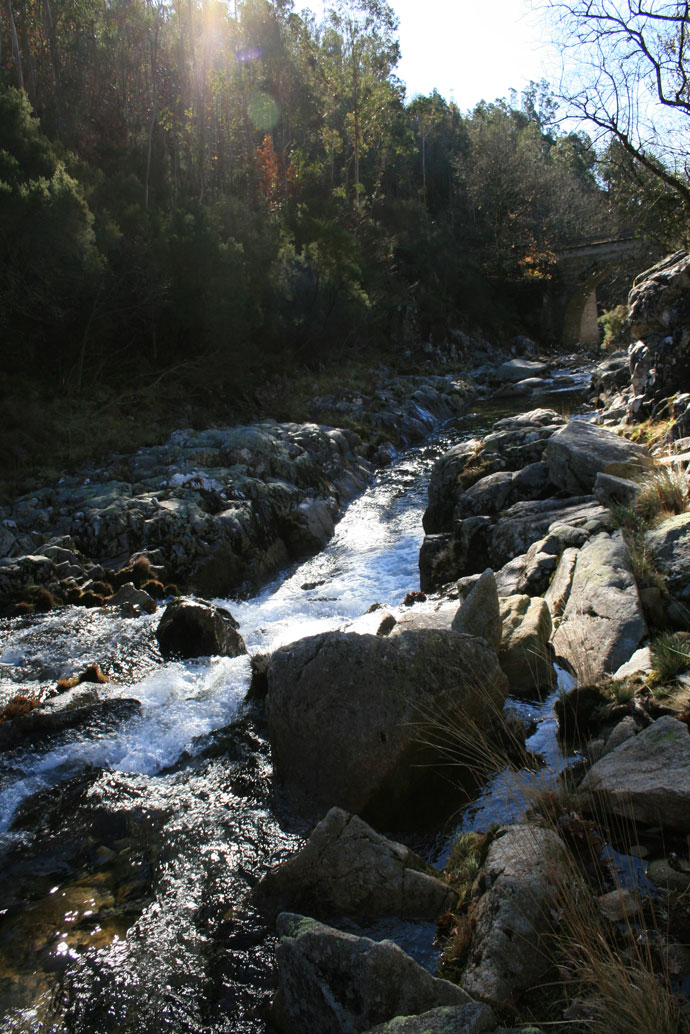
272, 174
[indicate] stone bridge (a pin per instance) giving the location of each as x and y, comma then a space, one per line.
571, 304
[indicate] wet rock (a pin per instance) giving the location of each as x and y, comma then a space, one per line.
579, 451
520, 389
307, 529
602, 623
525, 653
523, 872
473, 1018
331, 982
93, 718
345, 713
348, 869
579, 713
647, 778
194, 628
479, 613
519, 369
132, 601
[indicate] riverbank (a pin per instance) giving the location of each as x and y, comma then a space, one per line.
570, 886
549, 539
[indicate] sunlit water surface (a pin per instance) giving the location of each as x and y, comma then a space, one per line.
129, 845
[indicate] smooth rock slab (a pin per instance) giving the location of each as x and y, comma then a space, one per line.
602, 623
525, 654
557, 594
347, 868
579, 451
523, 872
647, 778
330, 982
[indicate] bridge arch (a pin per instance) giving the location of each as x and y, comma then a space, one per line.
582, 267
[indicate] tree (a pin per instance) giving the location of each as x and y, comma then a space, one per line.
361, 50
627, 72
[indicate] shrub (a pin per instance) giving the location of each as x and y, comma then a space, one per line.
614, 324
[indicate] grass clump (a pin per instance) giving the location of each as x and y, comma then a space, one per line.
22, 704
670, 656
664, 493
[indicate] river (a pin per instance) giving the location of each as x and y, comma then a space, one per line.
128, 846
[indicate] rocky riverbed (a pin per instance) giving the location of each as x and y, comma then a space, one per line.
527, 560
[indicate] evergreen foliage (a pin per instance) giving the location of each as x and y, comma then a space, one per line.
226, 190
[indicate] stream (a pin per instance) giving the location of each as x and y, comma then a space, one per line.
128, 845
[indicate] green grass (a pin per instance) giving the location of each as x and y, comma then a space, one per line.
670, 657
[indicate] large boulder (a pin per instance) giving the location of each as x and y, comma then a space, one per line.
194, 628
525, 654
348, 714
514, 444
646, 778
347, 869
658, 294
603, 622
525, 869
579, 451
330, 982
659, 318
445, 486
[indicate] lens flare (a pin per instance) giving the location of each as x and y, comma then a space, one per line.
249, 54
263, 111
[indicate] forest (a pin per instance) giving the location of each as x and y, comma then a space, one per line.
199, 196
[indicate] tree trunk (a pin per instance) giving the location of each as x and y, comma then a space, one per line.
14, 39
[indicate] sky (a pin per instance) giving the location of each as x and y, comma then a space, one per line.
471, 50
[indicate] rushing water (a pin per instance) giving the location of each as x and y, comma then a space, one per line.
129, 844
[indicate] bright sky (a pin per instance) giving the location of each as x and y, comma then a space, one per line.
470, 50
